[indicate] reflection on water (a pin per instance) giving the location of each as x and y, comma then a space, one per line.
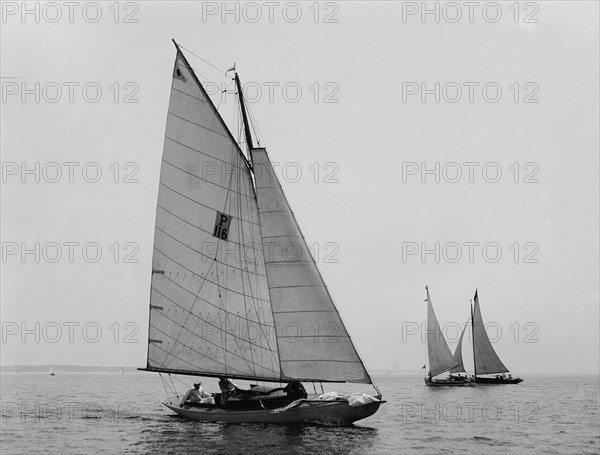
163, 435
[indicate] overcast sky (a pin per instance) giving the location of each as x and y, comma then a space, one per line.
345, 97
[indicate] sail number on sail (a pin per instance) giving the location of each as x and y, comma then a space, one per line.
222, 223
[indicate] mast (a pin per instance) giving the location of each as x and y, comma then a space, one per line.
473, 335
244, 115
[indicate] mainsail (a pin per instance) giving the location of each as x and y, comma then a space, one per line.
485, 358
235, 291
458, 353
440, 357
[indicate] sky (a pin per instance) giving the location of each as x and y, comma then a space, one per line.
451, 147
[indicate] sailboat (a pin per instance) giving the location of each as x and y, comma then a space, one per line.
235, 292
51, 371
439, 356
486, 361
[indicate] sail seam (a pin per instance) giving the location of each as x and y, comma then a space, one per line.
275, 188
203, 338
203, 153
190, 95
205, 321
181, 326
253, 302
174, 356
204, 255
205, 231
197, 202
198, 275
203, 180
198, 125
191, 293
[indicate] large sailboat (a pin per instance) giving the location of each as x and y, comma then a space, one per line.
439, 356
488, 367
235, 292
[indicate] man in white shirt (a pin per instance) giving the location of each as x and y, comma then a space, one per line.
197, 395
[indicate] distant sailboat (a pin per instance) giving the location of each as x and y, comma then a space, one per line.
485, 359
121, 371
51, 371
227, 298
440, 358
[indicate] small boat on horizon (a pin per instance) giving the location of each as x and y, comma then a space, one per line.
51, 371
440, 358
485, 360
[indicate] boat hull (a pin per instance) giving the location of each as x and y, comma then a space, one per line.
448, 383
491, 381
309, 411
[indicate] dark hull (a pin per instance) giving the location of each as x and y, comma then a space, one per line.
448, 383
498, 381
308, 411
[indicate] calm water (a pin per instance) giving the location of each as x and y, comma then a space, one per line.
113, 413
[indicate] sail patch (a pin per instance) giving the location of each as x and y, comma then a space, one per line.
177, 73
221, 230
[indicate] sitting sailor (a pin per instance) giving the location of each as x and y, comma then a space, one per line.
197, 395
228, 388
295, 390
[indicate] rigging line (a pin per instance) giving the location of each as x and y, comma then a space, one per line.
199, 252
240, 234
164, 384
221, 306
173, 385
259, 302
226, 90
189, 312
193, 273
270, 302
239, 204
196, 367
176, 357
201, 337
233, 160
228, 323
189, 198
184, 383
191, 293
229, 200
205, 61
273, 359
198, 177
255, 127
212, 157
